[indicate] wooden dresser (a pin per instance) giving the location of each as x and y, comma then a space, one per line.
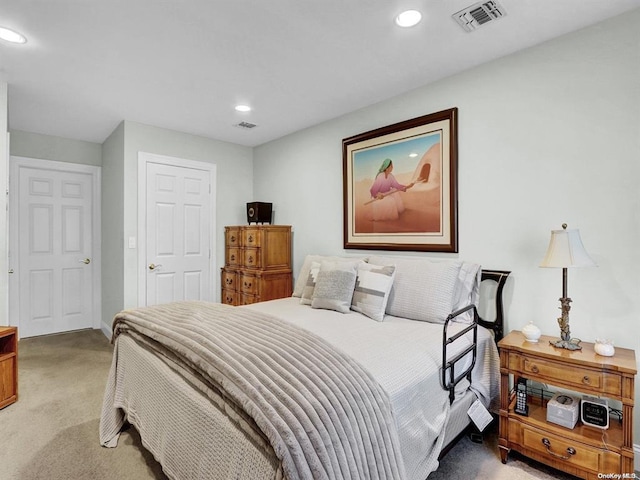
8, 366
584, 451
257, 264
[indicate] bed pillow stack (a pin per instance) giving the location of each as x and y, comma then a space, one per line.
362, 287
408, 287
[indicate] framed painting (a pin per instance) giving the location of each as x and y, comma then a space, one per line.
400, 186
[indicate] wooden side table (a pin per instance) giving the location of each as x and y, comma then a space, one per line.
583, 451
8, 366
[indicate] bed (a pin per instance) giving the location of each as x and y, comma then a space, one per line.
367, 371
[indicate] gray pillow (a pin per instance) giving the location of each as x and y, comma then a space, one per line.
334, 286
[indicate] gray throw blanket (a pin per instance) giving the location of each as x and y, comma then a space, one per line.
324, 415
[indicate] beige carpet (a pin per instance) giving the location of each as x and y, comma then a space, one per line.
52, 431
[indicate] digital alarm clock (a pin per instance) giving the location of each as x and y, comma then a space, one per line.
594, 412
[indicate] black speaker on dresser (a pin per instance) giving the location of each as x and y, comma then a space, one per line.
259, 212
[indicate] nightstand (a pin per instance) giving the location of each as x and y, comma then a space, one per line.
8, 365
583, 451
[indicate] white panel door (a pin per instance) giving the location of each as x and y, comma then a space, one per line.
178, 234
54, 249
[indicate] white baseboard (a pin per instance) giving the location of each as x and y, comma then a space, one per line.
106, 329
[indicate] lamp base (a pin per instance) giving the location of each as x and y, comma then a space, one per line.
573, 344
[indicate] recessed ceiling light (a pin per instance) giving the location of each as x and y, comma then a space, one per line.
12, 36
408, 18
243, 108
413, 154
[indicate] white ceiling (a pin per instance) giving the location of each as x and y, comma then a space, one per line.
184, 64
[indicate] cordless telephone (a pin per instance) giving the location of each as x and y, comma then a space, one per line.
521, 397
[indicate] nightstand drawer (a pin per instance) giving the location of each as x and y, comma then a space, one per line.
561, 450
553, 370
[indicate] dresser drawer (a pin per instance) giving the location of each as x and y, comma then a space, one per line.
233, 257
251, 258
229, 297
229, 280
233, 237
248, 284
251, 237
248, 299
567, 452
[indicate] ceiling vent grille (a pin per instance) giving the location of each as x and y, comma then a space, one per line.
479, 14
246, 125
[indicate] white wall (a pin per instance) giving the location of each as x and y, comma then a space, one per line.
234, 173
4, 185
546, 136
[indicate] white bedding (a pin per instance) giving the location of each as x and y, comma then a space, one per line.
397, 353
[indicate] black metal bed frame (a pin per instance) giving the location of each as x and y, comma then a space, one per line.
449, 377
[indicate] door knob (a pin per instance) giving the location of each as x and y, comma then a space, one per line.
11, 270
153, 266
86, 261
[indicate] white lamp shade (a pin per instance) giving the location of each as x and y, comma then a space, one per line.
566, 250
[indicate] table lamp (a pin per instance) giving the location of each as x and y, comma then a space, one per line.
566, 251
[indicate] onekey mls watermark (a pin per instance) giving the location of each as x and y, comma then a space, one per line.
617, 476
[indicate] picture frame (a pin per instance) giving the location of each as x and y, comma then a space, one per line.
400, 186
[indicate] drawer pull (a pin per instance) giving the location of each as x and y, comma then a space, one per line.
535, 369
233, 239
250, 260
250, 238
229, 281
232, 258
248, 285
570, 450
586, 380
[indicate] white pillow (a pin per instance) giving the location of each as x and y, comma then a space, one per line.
303, 275
372, 288
467, 291
310, 285
422, 289
334, 286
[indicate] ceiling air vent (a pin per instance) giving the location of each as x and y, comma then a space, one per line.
246, 125
479, 14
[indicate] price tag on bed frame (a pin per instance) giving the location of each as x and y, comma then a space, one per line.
480, 415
